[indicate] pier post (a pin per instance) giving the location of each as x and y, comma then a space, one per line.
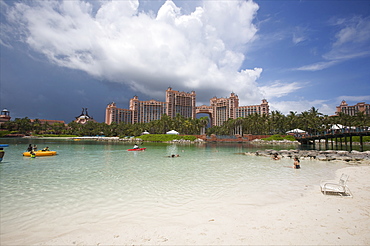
332, 144
350, 142
361, 144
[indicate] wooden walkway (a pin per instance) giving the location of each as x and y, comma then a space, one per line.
335, 136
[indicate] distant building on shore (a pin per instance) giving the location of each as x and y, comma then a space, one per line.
50, 122
4, 116
353, 110
183, 103
222, 109
145, 111
84, 117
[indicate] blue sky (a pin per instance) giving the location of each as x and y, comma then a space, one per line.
58, 57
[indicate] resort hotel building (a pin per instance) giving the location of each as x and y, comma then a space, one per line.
183, 103
353, 110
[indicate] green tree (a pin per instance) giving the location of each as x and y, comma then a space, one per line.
23, 125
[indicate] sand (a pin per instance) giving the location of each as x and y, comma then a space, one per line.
311, 219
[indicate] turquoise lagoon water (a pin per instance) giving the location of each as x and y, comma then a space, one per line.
90, 183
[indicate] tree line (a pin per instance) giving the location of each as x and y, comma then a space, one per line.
187, 126
311, 121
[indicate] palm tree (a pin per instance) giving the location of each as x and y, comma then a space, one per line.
202, 124
314, 120
361, 120
292, 120
238, 126
345, 120
277, 120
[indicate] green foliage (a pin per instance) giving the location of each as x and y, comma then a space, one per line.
356, 139
165, 137
3, 133
311, 121
278, 137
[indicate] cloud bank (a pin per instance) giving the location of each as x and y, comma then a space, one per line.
201, 50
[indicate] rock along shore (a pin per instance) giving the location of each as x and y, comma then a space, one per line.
355, 157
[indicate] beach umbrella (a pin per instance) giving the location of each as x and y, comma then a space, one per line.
172, 132
296, 131
337, 127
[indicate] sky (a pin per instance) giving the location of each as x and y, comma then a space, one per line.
58, 57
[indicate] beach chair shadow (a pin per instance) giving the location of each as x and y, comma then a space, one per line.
338, 189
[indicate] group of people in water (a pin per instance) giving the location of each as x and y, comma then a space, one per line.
296, 163
172, 156
33, 149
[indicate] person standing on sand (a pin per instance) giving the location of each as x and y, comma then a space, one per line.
296, 163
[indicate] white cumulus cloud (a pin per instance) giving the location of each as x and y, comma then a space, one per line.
199, 50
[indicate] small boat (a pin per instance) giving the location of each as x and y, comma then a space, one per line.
41, 153
139, 149
4, 145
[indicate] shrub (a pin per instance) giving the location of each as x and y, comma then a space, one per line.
278, 137
3, 133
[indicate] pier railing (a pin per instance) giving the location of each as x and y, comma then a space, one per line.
336, 134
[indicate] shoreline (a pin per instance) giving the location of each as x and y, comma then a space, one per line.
311, 219
350, 157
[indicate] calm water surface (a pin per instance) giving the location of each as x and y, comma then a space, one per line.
91, 182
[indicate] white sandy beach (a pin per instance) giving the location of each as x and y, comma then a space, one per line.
311, 219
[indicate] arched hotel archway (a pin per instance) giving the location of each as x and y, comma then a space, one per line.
204, 109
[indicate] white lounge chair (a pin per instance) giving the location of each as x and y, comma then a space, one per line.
339, 188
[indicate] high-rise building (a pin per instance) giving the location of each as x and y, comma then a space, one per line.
183, 103
353, 110
222, 109
146, 111
114, 114
177, 102
180, 103
244, 111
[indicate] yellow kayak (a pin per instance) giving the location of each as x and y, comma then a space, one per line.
41, 153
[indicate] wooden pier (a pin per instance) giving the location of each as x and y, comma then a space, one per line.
335, 136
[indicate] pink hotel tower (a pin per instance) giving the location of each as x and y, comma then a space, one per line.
219, 111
